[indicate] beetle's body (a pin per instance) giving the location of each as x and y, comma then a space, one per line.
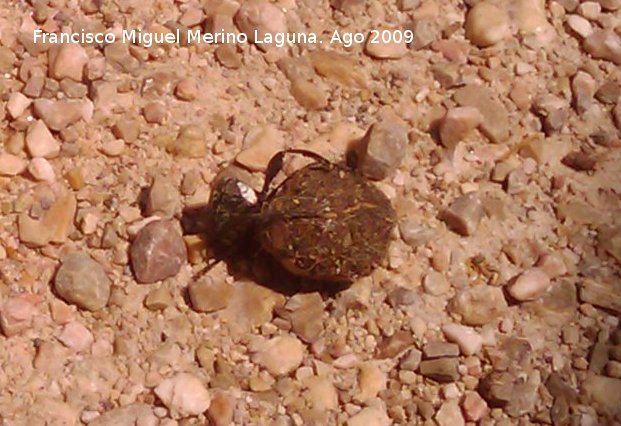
323, 222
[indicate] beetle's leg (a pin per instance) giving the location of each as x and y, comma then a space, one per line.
275, 165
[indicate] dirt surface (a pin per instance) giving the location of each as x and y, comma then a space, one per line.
494, 131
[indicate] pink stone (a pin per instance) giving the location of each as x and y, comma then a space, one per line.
76, 336
530, 285
11, 165
41, 170
17, 104
475, 407
40, 141
67, 62
16, 315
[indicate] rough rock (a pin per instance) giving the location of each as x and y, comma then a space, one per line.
16, 314
449, 414
76, 336
382, 149
184, 394
260, 17
280, 355
464, 214
17, 104
441, 369
487, 24
475, 407
68, 61
40, 141
82, 281
260, 145
479, 305
11, 165
495, 124
440, 349
603, 294
371, 381
157, 252
583, 86
436, 284
163, 198
58, 115
369, 416
604, 44
467, 338
208, 295
41, 170
515, 394
457, 124
530, 285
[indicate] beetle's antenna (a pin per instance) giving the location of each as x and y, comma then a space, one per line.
275, 165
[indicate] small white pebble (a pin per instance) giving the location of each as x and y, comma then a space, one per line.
41, 170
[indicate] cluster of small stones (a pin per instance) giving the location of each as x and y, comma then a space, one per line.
495, 133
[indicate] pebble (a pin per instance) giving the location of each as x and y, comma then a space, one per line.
337, 66
440, 349
449, 414
40, 141
369, 416
260, 17
157, 252
309, 95
190, 143
163, 198
17, 104
280, 355
154, 112
530, 285
600, 294
11, 165
590, 9
184, 394
583, 87
382, 149
487, 24
379, 49
552, 264
412, 360
209, 295
581, 26
609, 92
441, 369
321, 393
260, 145
41, 170
158, 299
468, 340
67, 62
16, 314
436, 284
475, 407
457, 124
371, 381
495, 124
613, 369
392, 346
464, 214
76, 336
610, 4
126, 415
113, 148
479, 305
604, 44
517, 393
82, 281
604, 391
127, 129
58, 115
222, 409
186, 89
307, 319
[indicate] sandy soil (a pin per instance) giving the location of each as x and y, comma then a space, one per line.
492, 126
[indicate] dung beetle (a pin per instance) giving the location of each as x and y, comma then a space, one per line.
324, 222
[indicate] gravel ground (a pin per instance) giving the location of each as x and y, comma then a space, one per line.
492, 126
